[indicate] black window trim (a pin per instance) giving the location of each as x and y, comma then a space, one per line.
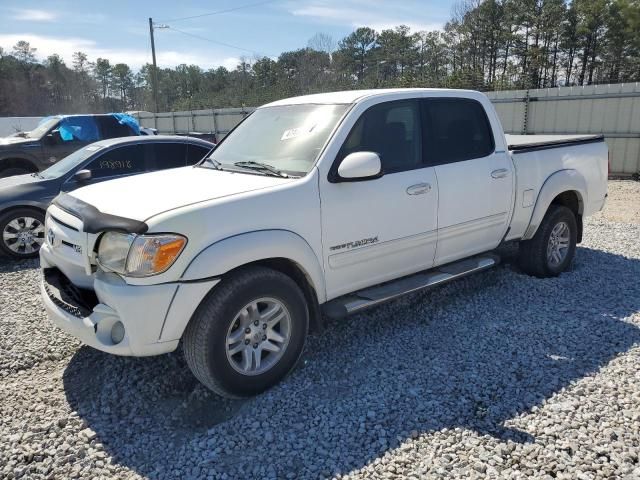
334, 177
425, 150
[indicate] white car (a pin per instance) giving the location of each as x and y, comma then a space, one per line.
322, 204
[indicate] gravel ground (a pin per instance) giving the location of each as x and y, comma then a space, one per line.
497, 375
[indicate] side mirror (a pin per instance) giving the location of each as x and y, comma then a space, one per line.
54, 138
360, 166
82, 176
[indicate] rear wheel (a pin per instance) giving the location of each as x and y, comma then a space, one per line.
22, 232
248, 333
552, 248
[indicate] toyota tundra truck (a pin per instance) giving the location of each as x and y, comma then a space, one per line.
313, 207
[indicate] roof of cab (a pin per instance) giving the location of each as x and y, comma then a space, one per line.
353, 96
108, 142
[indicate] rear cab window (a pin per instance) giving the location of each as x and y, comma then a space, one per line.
110, 127
455, 130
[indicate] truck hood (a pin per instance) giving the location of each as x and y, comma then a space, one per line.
140, 197
18, 180
16, 141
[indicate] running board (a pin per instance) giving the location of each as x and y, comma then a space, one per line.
372, 296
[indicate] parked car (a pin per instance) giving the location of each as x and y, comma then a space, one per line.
58, 136
328, 203
25, 198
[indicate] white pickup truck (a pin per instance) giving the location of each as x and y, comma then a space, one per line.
318, 205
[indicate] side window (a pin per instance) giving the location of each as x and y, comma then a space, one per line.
125, 160
392, 130
456, 130
80, 128
111, 128
166, 155
195, 153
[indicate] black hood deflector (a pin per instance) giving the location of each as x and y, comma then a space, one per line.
94, 221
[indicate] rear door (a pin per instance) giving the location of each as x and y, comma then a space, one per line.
164, 155
475, 182
71, 134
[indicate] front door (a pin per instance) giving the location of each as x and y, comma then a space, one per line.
475, 183
72, 133
379, 229
119, 161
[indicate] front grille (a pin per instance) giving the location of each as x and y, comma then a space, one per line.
76, 301
57, 220
63, 238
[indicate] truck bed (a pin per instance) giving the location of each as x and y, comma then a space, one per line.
527, 143
537, 157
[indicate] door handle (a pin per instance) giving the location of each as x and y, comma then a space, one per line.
418, 189
500, 173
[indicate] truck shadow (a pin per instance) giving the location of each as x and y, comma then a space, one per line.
473, 354
8, 264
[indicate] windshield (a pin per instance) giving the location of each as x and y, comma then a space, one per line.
70, 161
42, 128
287, 138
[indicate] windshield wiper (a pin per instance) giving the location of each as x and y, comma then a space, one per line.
261, 167
214, 163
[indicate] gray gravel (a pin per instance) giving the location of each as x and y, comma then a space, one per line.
495, 376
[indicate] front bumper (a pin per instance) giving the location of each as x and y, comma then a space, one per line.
142, 311
154, 316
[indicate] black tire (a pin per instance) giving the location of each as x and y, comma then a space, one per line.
11, 171
205, 346
11, 215
533, 253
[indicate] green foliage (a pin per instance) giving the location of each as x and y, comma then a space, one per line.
487, 44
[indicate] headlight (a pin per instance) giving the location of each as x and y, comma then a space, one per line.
139, 255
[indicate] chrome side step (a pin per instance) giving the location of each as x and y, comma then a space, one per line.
372, 296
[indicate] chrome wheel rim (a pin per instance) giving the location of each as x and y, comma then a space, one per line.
258, 336
23, 235
558, 246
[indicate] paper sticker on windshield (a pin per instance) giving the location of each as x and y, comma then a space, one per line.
296, 132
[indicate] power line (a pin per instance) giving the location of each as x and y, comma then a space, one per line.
219, 43
219, 11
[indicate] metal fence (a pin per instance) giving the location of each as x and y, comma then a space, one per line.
218, 121
611, 110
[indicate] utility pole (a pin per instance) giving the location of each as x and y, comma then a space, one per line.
154, 73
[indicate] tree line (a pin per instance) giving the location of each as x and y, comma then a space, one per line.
486, 45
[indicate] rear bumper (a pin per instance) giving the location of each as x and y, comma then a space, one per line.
141, 310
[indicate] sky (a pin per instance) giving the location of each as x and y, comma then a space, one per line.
119, 29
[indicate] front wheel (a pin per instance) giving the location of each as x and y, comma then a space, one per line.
248, 333
552, 248
22, 232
